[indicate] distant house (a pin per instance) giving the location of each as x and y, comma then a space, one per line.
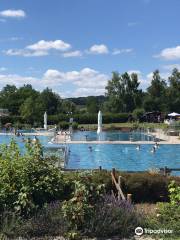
4, 112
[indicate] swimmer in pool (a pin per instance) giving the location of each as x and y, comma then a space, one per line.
90, 148
156, 145
153, 150
138, 147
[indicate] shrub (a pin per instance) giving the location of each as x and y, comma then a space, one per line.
75, 125
54, 119
146, 187
27, 181
63, 125
48, 221
107, 118
174, 191
9, 223
78, 209
168, 214
138, 113
112, 217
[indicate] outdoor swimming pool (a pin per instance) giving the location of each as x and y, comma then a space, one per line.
5, 139
120, 156
123, 156
111, 136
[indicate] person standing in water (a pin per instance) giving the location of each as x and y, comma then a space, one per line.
138, 147
156, 145
90, 148
153, 150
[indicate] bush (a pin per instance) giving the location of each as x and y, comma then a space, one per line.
63, 125
75, 125
54, 119
168, 214
112, 217
48, 221
107, 118
78, 208
27, 181
174, 190
138, 113
144, 187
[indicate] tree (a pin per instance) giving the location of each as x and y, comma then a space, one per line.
156, 98
158, 86
68, 107
32, 110
12, 98
92, 105
174, 91
9, 99
123, 93
52, 101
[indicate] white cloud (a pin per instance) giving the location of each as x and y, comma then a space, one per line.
17, 80
83, 83
138, 72
121, 51
38, 49
170, 53
10, 13
25, 53
98, 49
170, 67
73, 54
87, 78
84, 92
47, 45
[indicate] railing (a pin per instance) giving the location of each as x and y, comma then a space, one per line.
167, 171
117, 185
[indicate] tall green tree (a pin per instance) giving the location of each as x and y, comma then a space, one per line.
92, 104
68, 107
51, 101
174, 91
123, 92
32, 110
156, 98
9, 99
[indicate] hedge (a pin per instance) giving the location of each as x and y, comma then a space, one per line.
88, 118
144, 187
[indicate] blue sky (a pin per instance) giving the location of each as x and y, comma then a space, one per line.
72, 46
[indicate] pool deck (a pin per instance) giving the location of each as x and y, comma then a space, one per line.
61, 139
117, 142
29, 134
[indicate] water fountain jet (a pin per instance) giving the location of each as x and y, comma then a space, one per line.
99, 130
45, 121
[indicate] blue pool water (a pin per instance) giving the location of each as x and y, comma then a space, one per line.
120, 156
123, 156
111, 136
5, 139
